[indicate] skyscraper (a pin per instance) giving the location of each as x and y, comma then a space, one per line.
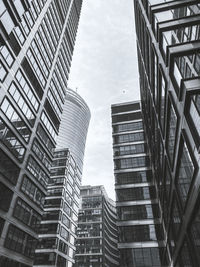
74, 126
96, 243
37, 41
141, 236
57, 231
168, 43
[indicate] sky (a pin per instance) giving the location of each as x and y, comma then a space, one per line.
104, 72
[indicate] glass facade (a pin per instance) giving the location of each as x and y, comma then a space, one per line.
74, 126
96, 243
37, 42
57, 229
168, 45
141, 234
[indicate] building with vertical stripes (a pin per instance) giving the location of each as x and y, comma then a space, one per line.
36, 45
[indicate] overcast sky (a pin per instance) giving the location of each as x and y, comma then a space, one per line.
104, 69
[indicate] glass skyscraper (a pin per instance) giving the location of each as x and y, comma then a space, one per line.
36, 44
74, 126
168, 43
141, 236
57, 231
96, 243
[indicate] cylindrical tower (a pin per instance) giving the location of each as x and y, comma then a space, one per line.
74, 126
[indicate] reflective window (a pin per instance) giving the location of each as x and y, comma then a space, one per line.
128, 150
6, 55
37, 172
5, 197
138, 233
185, 256
138, 193
27, 90
41, 154
15, 119
11, 141
26, 214
32, 191
48, 125
139, 212
171, 132
19, 241
194, 115
141, 257
45, 139
185, 173
8, 168
3, 72
64, 233
126, 138
195, 232
133, 177
131, 163
45, 258
176, 219
17, 96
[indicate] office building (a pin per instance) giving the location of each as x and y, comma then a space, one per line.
141, 235
37, 41
96, 243
168, 43
74, 126
57, 231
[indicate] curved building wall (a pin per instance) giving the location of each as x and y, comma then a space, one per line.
74, 126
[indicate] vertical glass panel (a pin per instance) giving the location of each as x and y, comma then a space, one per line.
184, 173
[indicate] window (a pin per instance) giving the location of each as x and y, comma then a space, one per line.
19, 241
26, 214
138, 212
11, 141
8, 168
3, 72
185, 256
48, 125
63, 247
6, 55
15, 119
27, 90
31, 190
65, 221
193, 116
45, 258
49, 228
176, 219
36, 171
17, 96
140, 257
133, 177
138, 233
185, 172
45, 139
195, 231
64, 233
126, 138
41, 154
138, 193
128, 150
171, 132
5, 197
45, 243
132, 163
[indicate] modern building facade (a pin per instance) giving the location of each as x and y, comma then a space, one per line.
168, 42
57, 231
141, 235
74, 126
37, 41
96, 243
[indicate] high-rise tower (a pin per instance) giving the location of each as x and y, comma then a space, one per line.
37, 41
96, 243
168, 42
141, 237
74, 126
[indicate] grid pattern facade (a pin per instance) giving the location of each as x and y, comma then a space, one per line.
57, 231
96, 243
141, 235
37, 40
74, 126
168, 42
